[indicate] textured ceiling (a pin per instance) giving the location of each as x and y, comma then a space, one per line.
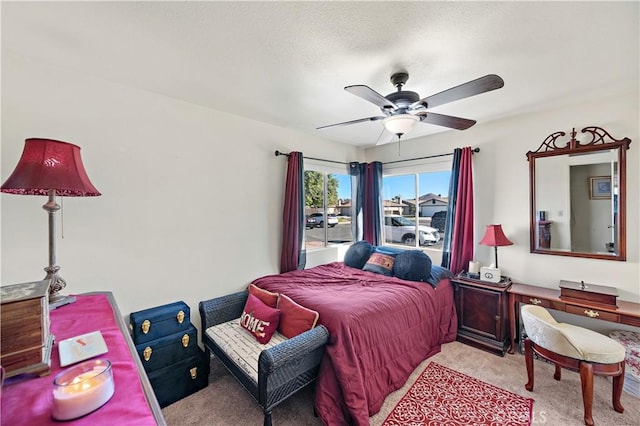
286, 63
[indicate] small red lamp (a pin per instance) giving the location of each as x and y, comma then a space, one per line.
49, 167
494, 237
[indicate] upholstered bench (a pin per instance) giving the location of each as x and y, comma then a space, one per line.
270, 372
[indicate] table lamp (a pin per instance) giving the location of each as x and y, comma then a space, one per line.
49, 167
494, 237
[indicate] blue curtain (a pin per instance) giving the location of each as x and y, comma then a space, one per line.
451, 210
293, 255
366, 207
457, 248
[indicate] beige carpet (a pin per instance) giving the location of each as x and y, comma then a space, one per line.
225, 403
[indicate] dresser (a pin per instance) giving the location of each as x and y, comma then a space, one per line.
28, 399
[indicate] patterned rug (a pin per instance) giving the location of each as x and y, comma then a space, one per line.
441, 396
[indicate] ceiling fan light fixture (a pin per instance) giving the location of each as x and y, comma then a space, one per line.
400, 124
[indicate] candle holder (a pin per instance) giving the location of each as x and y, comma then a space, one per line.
81, 389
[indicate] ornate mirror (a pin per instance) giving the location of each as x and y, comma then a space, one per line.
577, 193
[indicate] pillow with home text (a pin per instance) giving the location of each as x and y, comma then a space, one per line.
259, 319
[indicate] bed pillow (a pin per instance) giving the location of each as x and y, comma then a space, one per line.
267, 297
438, 273
380, 263
412, 265
259, 319
358, 254
295, 318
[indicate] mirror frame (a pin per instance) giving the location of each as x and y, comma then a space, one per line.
600, 140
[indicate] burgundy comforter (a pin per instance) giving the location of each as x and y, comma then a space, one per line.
380, 329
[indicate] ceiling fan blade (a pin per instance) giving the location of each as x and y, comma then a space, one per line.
446, 120
368, 94
345, 123
471, 88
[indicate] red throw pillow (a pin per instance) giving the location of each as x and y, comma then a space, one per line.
267, 297
259, 319
294, 318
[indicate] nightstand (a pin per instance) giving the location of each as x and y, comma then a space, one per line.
483, 314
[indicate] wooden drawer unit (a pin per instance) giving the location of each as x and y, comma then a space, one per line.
605, 308
592, 313
483, 319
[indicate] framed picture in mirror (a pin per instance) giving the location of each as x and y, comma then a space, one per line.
600, 188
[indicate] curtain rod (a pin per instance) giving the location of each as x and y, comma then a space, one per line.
474, 150
311, 158
278, 153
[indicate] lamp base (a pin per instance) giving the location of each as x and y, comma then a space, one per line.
55, 301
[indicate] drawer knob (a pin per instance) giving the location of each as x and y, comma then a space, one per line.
592, 314
185, 340
147, 353
146, 325
194, 373
535, 301
180, 317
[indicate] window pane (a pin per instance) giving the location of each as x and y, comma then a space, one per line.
339, 209
408, 215
330, 225
314, 208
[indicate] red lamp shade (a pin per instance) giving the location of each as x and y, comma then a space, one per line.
48, 164
494, 237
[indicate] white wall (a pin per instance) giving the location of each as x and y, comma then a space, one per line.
501, 179
191, 204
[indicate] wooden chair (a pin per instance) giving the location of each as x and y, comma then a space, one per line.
574, 348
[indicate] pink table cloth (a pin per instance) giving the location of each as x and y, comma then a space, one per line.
28, 400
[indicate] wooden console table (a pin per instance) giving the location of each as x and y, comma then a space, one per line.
627, 313
27, 399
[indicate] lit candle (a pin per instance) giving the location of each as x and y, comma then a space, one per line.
474, 267
82, 389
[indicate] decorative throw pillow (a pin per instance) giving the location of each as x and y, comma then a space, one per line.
412, 265
259, 319
438, 273
294, 318
380, 263
267, 297
358, 254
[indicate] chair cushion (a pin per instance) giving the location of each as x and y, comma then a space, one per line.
569, 340
240, 346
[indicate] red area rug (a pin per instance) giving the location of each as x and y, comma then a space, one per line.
441, 396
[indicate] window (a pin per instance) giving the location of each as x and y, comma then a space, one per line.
415, 205
327, 206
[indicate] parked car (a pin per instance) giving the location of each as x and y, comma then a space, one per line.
332, 219
438, 220
311, 222
399, 229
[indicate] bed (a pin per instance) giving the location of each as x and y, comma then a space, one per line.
380, 329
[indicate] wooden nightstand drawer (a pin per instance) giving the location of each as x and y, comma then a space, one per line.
592, 313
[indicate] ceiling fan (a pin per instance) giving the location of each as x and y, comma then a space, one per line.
403, 109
